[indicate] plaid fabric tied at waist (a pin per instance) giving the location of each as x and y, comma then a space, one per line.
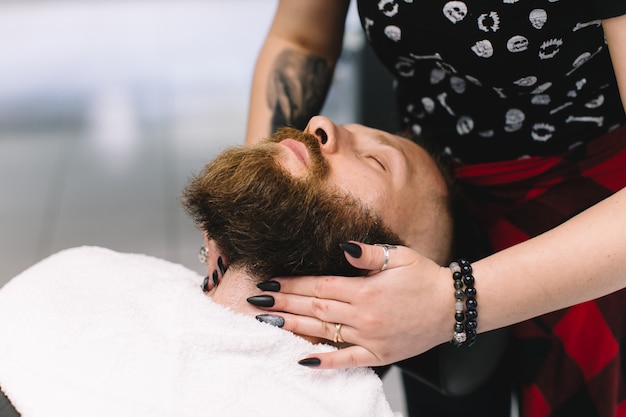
567, 363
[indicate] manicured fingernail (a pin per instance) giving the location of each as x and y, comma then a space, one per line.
220, 266
215, 280
205, 284
273, 286
276, 321
310, 362
262, 300
351, 249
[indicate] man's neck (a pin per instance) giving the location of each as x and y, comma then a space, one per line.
232, 291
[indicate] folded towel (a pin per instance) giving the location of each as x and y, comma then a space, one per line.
92, 332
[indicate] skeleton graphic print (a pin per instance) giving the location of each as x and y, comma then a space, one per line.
493, 80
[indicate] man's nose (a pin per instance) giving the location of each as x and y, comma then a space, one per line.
326, 132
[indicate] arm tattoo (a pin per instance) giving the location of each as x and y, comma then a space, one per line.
297, 88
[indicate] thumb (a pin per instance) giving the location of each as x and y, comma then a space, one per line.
373, 257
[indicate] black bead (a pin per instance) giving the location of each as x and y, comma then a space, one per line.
471, 304
457, 276
471, 325
471, 337
470, 292
459, 317
466, 269
468, 280
463, 261
458, 327
471, 314
458, 284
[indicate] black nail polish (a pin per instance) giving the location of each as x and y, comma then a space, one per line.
205, 284
262, 300
351, 249
215, 280
273, 286
275, 321
322, 135
310, 362
220, 266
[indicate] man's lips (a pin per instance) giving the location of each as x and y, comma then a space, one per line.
299, 149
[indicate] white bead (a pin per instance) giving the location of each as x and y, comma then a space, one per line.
458, 306
455, 267
459, 337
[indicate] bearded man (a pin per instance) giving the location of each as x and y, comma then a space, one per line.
89, 331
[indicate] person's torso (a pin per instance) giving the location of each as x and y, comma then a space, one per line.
497, 80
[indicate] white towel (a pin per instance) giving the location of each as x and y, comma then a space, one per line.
92, 332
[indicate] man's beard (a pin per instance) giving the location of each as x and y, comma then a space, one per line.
272, 224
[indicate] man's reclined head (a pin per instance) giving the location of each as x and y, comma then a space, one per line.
281, 207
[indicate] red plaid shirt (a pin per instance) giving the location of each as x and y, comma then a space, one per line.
570, 362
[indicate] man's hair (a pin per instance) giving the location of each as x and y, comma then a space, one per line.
273, 224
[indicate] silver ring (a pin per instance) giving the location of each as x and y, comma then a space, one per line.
203, 254
386, 248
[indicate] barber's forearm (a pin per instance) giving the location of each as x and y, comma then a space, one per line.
289, 87
583, 259
296, 64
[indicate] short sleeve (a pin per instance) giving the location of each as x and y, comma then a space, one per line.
605, 9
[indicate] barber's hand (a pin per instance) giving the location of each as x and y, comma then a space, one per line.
386, 316
216, 263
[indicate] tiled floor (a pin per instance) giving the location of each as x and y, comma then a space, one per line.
107, 107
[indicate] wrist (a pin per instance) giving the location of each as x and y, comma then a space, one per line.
445, 304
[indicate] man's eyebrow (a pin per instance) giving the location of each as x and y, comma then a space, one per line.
384, 140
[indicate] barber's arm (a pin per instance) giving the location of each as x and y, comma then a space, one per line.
295, 66
615, 33
407, 309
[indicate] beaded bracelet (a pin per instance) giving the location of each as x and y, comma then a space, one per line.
465, 314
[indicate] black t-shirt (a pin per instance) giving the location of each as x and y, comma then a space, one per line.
492, 80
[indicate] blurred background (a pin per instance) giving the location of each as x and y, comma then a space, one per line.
107, 107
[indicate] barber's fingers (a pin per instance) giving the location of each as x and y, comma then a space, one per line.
350, 357
323, 287
215, 258
378, 257
315, 328
303, 307
372, 258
